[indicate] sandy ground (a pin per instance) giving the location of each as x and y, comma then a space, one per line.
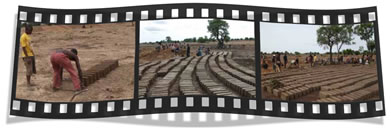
95, 43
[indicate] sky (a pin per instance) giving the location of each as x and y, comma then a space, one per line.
296, 37
179, 29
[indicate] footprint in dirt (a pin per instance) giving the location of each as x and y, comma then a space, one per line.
109, 97
30, 88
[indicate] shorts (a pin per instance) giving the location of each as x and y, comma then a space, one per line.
28, 63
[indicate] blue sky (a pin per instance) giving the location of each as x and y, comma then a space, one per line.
179, 29
296, 37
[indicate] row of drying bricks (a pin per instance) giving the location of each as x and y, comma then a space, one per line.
98, 71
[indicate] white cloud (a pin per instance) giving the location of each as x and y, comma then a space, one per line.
153, 28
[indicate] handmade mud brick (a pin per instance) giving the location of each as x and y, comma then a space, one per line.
284, 96
331, 99
252, 93
142, 90
299, 93
349, 97
307, 90
291, 95
91, 78
85, 81
98, 71
324, 94
295, 93
159, 94
343, 98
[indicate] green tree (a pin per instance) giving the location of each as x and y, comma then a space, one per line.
348, 52
371, 46
357, 52
219, 31
188, 40
344, 36
201, 40
168, 39
206, 38
227, 39
366, 32
361, 49
327, 36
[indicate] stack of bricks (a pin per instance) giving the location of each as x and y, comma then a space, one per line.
241, 87
98, 71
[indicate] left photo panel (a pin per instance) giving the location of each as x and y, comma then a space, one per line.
75, 63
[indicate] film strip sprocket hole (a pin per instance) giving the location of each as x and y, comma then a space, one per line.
92, 16
224, 104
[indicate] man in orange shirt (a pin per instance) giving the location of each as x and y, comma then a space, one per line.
27, 52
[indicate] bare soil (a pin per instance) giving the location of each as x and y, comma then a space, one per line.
95, 43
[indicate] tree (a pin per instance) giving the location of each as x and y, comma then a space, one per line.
227, 39
219, 31
206, 38
168, 39
327, 37
366, 31
348, 52
361, 49
188, 40
357, 52
201, 40
344, 36
371, 46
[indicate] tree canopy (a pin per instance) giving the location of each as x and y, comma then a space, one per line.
219, 31
327, 37
366, 32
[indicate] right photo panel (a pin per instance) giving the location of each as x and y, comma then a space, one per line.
318, 63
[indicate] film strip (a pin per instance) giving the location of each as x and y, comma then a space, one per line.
197, 103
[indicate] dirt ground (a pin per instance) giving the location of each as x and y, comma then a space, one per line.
95, 43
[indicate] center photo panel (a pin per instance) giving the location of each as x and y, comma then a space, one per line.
190, 57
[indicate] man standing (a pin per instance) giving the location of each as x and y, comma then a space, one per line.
311, 60
27, 53
187, 50
285, 60
278, 62
274, 63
